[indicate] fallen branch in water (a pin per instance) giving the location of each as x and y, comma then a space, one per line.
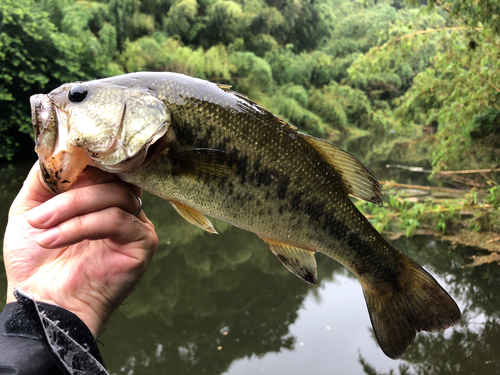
422, 170
465, 181
420, 187
408, 168
493, 240
441, 209
456, 175
470, 171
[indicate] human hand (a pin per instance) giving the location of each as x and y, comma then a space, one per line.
82, 250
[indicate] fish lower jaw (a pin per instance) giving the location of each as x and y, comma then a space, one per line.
61, 170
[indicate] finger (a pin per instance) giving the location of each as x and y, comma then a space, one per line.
73, 203
93, 176
89, 176
111, 223
136, 190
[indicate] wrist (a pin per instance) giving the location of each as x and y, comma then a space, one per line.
86, 314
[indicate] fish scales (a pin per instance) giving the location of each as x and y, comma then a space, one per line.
210, 151
270, 190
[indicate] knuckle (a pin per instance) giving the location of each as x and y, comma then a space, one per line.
118, 217
74, 197
153, 242
78, 224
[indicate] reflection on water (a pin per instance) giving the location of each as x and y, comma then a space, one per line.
225, 305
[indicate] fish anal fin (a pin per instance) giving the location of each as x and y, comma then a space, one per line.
207, 164
299, 261
417, 304
194, 217
356, 177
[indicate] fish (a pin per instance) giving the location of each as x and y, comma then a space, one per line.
210, 151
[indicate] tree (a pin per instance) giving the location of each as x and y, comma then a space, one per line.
444, 75
34, 58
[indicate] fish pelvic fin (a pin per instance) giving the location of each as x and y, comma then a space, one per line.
299, 261
358, 180
417, 304
194, 217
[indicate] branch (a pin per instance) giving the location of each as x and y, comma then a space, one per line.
471, 171
493, 240
422, 170
480, 75
420, 187
429, 31
441, 209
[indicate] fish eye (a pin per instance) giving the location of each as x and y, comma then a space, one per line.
77, 93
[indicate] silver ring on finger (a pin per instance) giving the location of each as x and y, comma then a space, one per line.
140, 207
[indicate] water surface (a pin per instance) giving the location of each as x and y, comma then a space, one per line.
223, 304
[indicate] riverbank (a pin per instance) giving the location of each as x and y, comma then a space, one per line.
463, 217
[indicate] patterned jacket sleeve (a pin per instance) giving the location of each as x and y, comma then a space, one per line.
45, 339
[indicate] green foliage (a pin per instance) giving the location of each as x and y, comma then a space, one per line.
445, 77
405, 83
473, 13
34, 57
405, 211
225, 22
160, 53
182, 20
386, 70
290, 56
463, 97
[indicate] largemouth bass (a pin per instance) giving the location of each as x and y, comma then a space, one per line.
211, 151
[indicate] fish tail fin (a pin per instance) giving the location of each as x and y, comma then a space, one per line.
417, 303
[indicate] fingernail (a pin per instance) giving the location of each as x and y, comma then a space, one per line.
42, 214
48, 237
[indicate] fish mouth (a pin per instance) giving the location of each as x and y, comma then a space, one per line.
61, 162
59, 165
44, 124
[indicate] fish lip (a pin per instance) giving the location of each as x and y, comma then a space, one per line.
44, 124
59, 165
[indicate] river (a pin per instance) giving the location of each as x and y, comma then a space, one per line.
223, 304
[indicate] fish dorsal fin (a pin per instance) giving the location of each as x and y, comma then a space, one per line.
203, 163
194, 217
226, 88
249, 102
298, 261
357, 179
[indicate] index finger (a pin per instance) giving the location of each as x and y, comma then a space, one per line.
95, 176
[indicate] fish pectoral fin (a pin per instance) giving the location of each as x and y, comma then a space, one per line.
193, 216
299, 261
203, 163
356, 177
